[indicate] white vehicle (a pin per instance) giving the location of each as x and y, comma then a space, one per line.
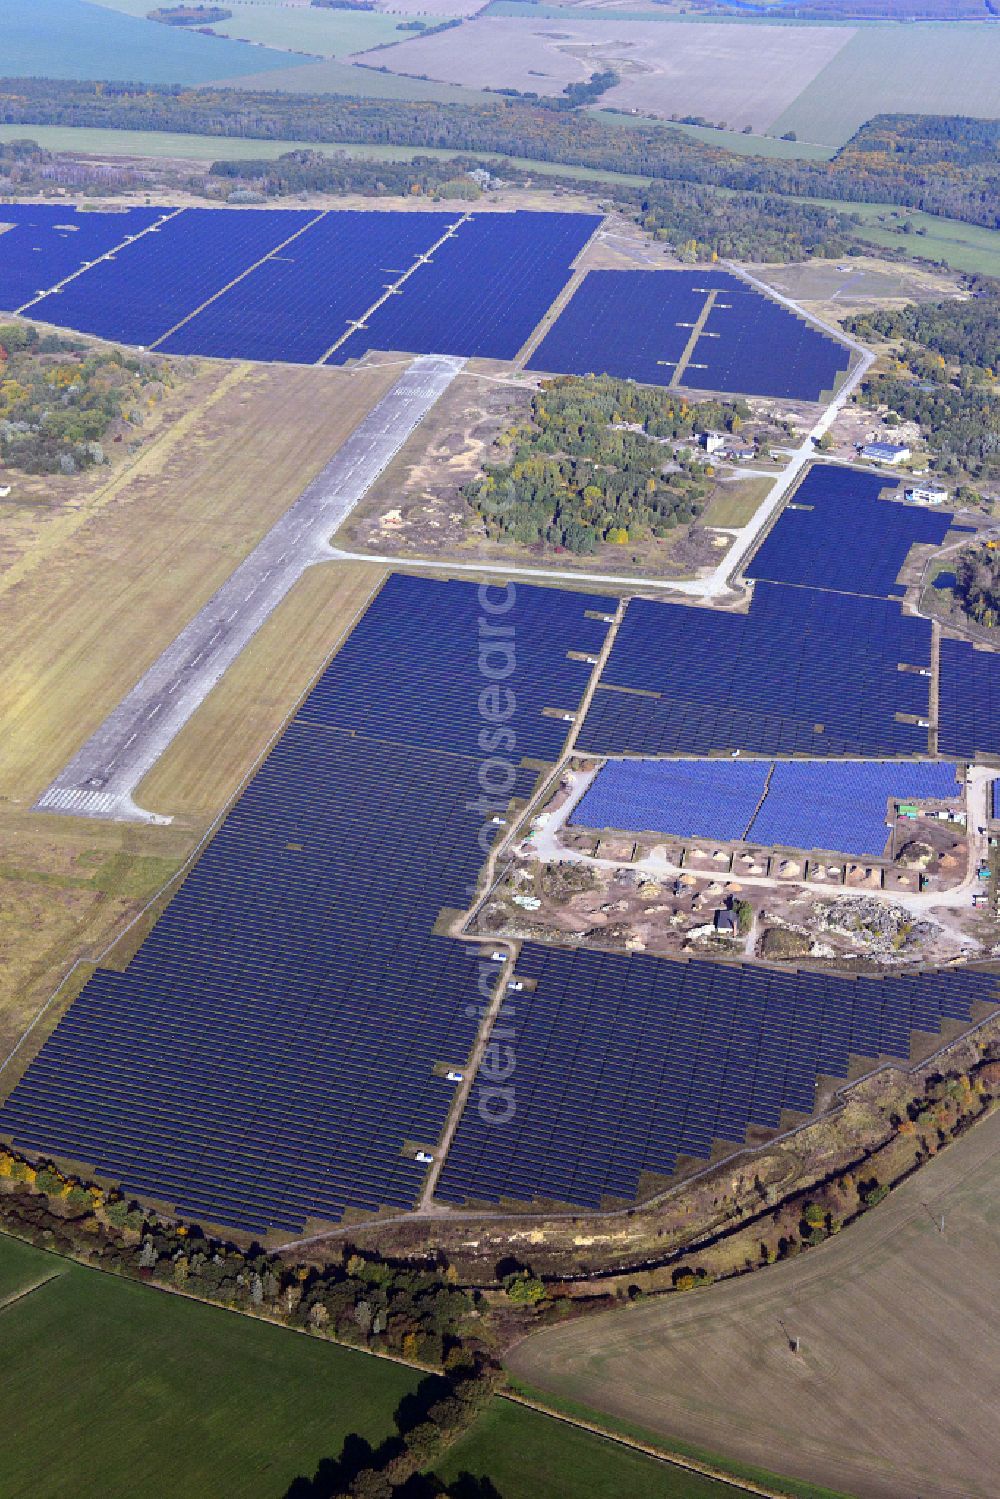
455, 1077
498, 957
515, 986
424, 1157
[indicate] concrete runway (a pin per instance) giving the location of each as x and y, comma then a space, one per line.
100, 779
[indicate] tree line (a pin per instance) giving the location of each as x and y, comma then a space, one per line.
910, 160
305, 171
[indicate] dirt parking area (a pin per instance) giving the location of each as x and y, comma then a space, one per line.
835, 289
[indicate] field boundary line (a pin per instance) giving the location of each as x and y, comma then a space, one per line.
673, 1459
26, 1291
108, 254
237, 279
697, 330
420, 260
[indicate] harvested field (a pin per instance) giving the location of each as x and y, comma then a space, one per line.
733, 74
895, 1384
435, 10
101, 587
339, 76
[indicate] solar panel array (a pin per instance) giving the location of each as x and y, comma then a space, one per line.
805, 672
687, 798
287, 284
836, 533
272, 1045
753, 344
844, 806
150, 284
969, 701
49, 241
810, 804
630, 324
484, 289
426, 639
300, 300
636, 324
626, 1064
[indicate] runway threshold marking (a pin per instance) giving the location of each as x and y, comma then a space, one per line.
271, 254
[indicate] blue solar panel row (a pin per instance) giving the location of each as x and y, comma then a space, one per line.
440, 708
843, 807
836, 533
483, 291
805, 672
46, 242
633, 325
154, 282
300, 301
626, 1064
810, 804
969, 701
636, 324
272, 1045
688, 798
302, 277
759, 347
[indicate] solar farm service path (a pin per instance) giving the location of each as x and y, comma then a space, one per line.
100, 779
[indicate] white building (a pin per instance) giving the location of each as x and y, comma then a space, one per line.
714, 442
927, 494
885, 452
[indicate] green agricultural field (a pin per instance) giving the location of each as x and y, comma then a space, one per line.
526, 1454
325, 33
963, 247
933, 68
113, 1388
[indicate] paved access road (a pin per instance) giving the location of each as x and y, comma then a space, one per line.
100, 779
